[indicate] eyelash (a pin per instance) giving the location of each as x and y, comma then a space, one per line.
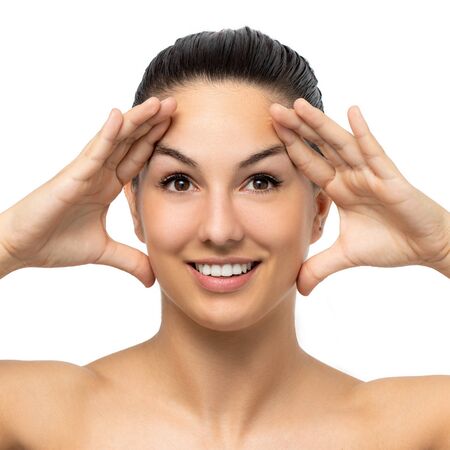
181, 176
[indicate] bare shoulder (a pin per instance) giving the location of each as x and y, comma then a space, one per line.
412, 412
39, 399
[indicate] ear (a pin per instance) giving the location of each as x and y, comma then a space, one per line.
132, 203
322, 203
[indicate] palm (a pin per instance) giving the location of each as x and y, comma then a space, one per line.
75, 220
384, 220
63, 222
375, 215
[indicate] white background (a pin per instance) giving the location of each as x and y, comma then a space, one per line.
65, 65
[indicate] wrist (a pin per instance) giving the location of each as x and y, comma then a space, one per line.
442, 264
8, 263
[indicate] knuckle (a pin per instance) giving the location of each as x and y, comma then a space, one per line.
109, 164
104, 136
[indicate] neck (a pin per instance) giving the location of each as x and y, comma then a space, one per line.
228, 379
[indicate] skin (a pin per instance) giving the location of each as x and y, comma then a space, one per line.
214, 215
222, 371
219, 342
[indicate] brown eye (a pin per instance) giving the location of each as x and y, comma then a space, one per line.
261, 183
180, 183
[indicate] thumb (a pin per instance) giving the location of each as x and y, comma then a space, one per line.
128, 259
315, 269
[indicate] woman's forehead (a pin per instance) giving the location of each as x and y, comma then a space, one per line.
231, 123
221, 100
240, 123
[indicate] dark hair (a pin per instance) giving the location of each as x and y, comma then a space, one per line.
243, 55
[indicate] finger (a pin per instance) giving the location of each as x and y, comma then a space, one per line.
166, 109
373, 152
315, 269
100, 150
308, 161
332, 133
128, 259
87, 164
140, 152
92, 157
290, 119
138, 115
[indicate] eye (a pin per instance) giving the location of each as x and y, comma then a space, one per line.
266, 179
182, 181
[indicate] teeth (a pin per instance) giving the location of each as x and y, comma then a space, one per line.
223, 271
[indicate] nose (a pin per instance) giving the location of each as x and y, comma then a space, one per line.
220, 222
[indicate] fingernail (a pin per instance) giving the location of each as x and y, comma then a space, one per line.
360, 115
109, 117
301, 101
278, 106
287, 135
152, 101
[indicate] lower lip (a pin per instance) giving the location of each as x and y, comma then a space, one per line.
223, 284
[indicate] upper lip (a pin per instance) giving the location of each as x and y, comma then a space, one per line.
224, 260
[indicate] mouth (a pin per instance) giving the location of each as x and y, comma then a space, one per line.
224, 284
253, 265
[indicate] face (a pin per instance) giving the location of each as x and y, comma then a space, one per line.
265, 211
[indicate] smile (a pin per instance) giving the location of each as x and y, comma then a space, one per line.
225, 270
223, 283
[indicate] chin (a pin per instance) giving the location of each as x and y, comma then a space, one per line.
227, 314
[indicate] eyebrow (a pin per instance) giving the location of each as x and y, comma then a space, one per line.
252, 159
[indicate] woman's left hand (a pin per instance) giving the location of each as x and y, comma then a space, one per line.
384, 220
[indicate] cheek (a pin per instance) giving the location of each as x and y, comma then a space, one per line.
278, 222
284, 222
167, 223
286, 236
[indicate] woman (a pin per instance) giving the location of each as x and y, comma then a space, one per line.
229, 166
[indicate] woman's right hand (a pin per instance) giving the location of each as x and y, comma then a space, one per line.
63, 222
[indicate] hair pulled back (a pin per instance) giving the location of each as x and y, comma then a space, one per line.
242, 55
